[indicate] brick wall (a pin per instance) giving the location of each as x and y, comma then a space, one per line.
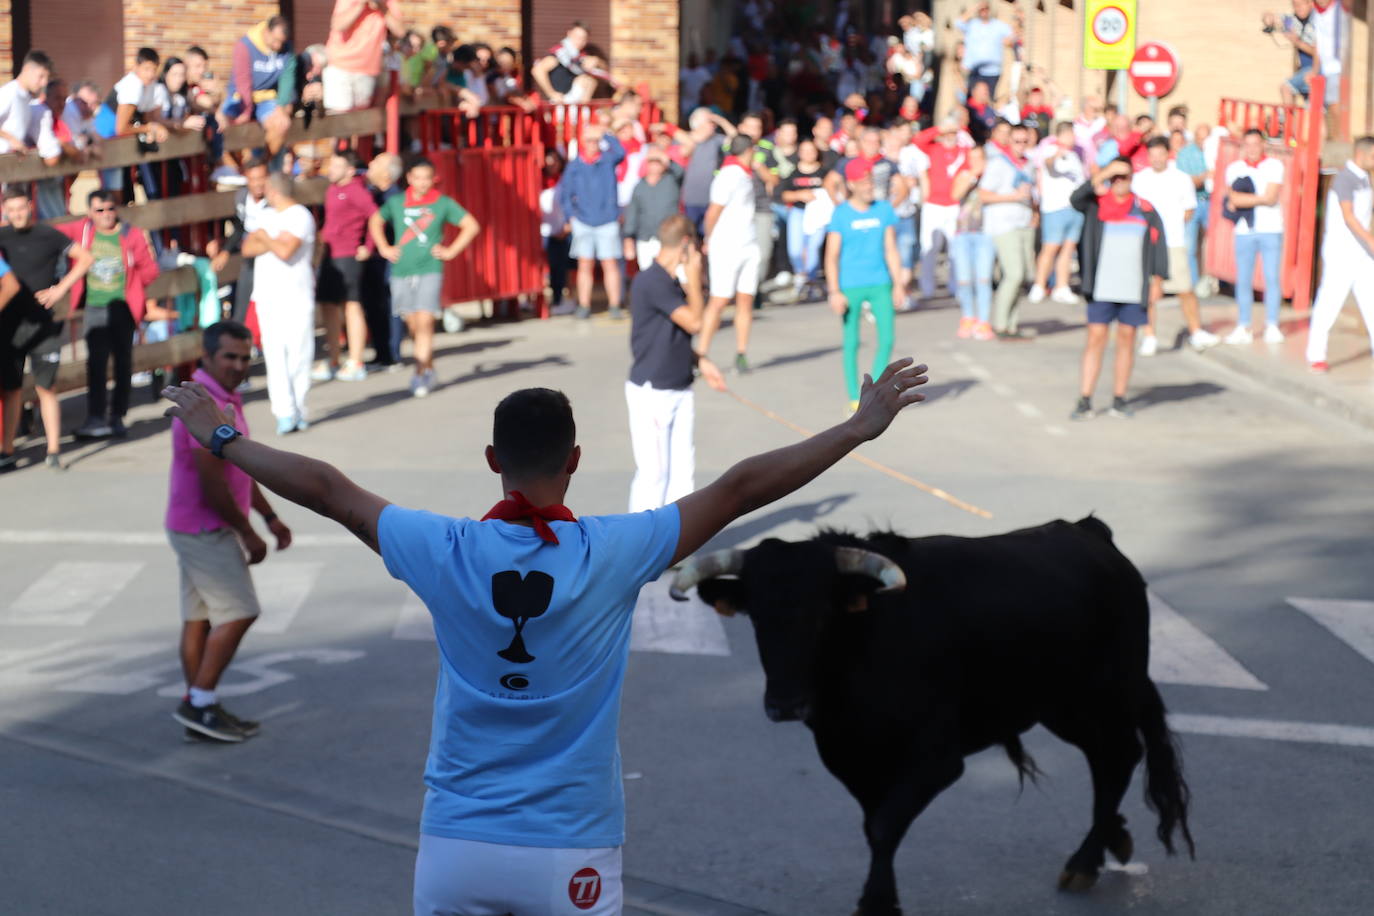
644, 38
497, 22
172, 26
6, 40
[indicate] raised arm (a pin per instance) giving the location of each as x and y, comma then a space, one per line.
756, 482
316, 485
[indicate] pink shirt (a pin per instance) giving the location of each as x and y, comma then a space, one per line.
346, 211
359, 50
187, 509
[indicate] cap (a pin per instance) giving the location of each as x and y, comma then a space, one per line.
857, 169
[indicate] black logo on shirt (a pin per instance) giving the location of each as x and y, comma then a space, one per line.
520, 599
515, 681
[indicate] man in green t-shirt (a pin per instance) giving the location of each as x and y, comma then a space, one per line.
417, 219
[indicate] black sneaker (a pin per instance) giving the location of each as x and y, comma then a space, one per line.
117, 428
191, 736
582, 313
8, 461
1083, 410
741, 364
93, 429
208, 720
247, 726
54, 463
617, 314
1120, 409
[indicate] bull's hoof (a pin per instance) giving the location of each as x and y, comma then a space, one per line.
1122, 847
1076, 881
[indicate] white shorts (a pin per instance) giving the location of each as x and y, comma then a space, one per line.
938, 218
734, 270
345, 91
468, 878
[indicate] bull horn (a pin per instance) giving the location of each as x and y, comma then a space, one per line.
874, 565
697, 569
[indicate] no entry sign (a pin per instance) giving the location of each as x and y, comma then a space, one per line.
1154, 70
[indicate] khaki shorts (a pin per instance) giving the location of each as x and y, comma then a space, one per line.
1180, 277
215, 583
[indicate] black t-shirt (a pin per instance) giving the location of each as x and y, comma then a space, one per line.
662, 351
35, 255
800, 181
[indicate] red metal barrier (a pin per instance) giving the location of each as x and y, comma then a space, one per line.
1296, 140
500, 186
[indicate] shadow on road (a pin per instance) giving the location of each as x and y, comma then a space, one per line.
759, 525
1163, 394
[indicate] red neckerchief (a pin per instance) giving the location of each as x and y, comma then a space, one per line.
518, 507
1018, 161
1320, 8
1254, 163
589, 156
734, 160
413, 201
1111, 210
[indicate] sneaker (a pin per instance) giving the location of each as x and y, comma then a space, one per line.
93, 429
1272, 334
1202, 338
117, 428
868, 315
249, 727
1014, 336
286, 426
784, 278
966, 326
191, 736
1320, 367
563, 307
1149, 346
422, 384
140, 379
741, 364
1120, 409
323, 372
1064, 295
983, 331
617, 314
1240, 336
8, 461
54, 463
1037, 294
582, 313
209, 721
453, 322
351, 372
1083, 410
302, 425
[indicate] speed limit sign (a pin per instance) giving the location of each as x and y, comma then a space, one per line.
1108, 34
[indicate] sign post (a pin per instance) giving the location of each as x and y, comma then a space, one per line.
1154, 72
1109, 39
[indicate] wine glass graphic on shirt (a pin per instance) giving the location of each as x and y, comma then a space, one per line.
520, 599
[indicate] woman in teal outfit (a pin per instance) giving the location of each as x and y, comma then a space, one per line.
861, 266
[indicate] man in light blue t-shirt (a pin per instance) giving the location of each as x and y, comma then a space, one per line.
524, 810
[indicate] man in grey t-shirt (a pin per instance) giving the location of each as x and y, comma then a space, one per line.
705, 159
1005, 190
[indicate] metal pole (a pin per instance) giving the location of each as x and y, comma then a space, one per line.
1121, 99
1154, 108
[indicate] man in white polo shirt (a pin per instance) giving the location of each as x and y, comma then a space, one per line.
733, 248
1166, 188
1252, 186
1347, 253
15, 99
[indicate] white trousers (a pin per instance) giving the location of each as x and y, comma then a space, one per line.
1340, 275
646, 251
937, 218
661, 436
288, 349
468, 878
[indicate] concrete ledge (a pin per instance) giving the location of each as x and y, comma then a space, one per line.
1297, 385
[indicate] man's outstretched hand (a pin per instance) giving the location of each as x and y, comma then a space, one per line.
193, 406
882, 400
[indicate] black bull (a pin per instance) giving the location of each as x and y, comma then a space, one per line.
904, 655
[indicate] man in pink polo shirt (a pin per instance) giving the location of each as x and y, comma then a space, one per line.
208, 526
357, 32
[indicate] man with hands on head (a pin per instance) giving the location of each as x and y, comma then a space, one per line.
540, 709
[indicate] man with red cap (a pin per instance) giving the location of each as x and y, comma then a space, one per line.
861, 266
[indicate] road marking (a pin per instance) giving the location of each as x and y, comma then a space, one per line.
1273, 730
142, 538
1180, 653
1002, 390
1056, 430
414, 621
264, 675
678, 627
1029, 410
57, 665
70, 593
868, 462
1352, 622
282, 589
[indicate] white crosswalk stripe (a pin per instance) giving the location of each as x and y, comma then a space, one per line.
678, 627
414, 621
1180, 653
1352, 622
282, 589
70, 593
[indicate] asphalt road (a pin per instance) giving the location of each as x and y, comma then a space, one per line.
1230, 499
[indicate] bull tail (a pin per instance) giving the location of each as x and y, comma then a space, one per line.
1026, 767
1165, 790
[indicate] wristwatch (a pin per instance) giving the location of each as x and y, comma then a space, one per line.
223, 435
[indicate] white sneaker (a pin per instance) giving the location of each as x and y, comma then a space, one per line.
422, 384
323, 372
1202, 338
138, 379
1064, 295
1240, 336
1037, 294
784, 278
1149, 346
1272, 334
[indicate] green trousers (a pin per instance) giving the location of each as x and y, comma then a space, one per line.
879, 299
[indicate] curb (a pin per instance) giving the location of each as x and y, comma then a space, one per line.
1295, 386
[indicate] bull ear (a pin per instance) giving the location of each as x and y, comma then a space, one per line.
724, 609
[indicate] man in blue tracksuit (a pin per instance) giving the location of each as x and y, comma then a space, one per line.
587, 193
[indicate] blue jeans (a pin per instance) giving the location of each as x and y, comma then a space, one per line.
1268, 247
804, 251
905, 231
972, 254
1195, 238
